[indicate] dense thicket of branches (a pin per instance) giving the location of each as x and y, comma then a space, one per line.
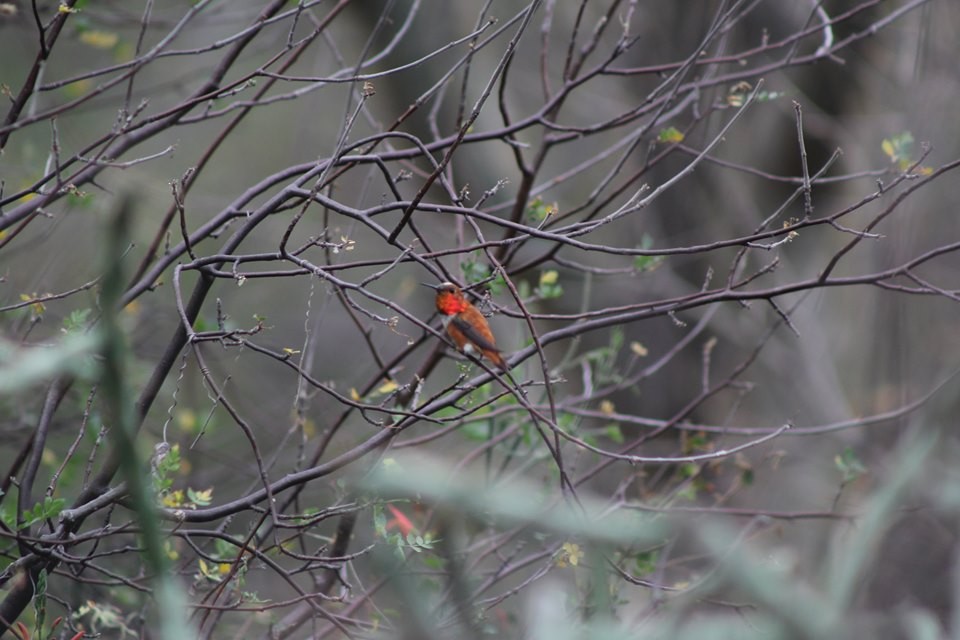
720, 264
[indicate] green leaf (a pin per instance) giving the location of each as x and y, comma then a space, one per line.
899, 148
40, 603
307, 514
252, 598
414, 540
646, 563
538, 210
689, 492
497, 285
616, 340
768, 96
549, 286
76, 320
478, 431
78, 198
849, 465
8, 516
689, 469
224, 550
200, 498
695, 442
523, 288
164, 467
614, 432
474, 271
670, 135
646, 263
49, 508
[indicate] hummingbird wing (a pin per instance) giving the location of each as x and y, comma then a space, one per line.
473, 335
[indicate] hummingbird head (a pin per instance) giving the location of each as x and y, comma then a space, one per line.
450, 299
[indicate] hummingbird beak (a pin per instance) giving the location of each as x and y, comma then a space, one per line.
432, 286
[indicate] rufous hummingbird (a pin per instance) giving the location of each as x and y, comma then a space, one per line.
465, 325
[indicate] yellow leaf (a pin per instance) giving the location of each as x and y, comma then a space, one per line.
354, 394
224, 568
78, 88
570, 554
99, 39
186, 420
388, 387
606, 407
638, 349
173, 500
37, 308
27, 184
738, 92
65, 9
888, 149
290, 352
549, 277
124, 51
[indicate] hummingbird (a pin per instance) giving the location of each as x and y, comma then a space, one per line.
465, 325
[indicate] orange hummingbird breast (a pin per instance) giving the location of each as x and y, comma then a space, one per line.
449, 303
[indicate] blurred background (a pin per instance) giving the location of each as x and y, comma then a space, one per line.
598, 101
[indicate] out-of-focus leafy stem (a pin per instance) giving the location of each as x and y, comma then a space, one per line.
119, 405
